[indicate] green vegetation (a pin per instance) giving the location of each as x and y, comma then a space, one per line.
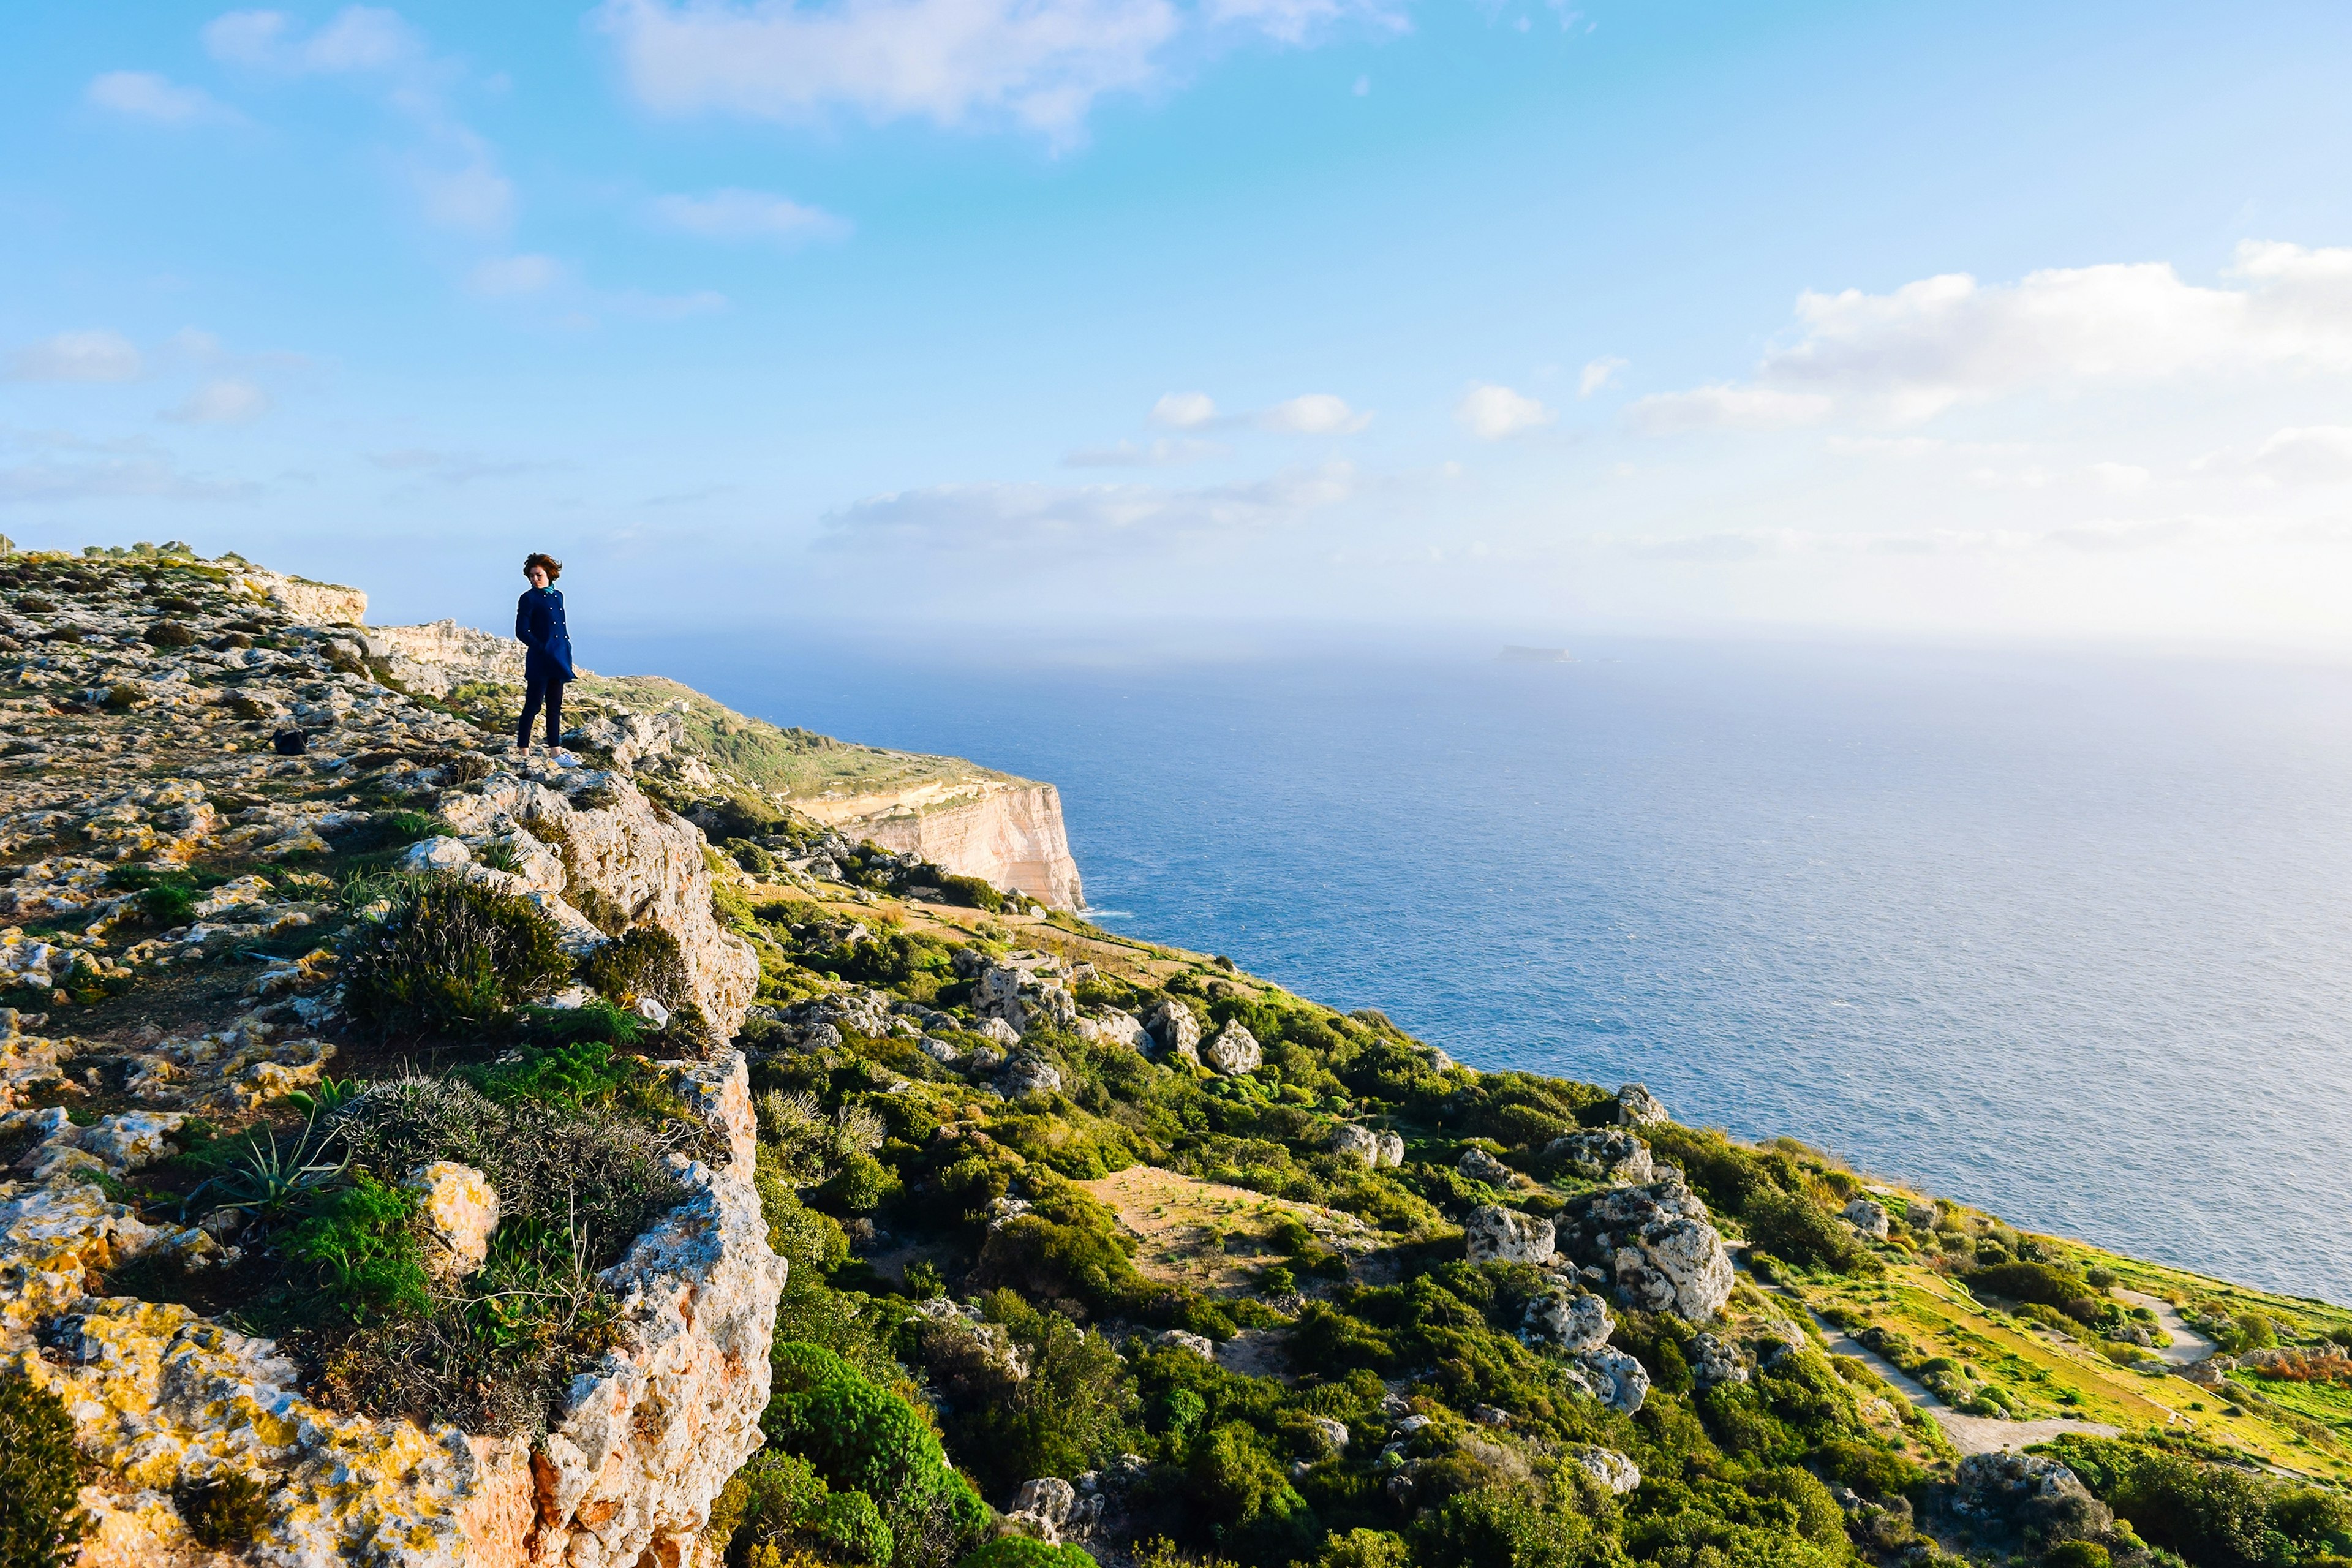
445, 954
41, 1524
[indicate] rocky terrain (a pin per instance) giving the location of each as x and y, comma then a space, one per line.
420, 1153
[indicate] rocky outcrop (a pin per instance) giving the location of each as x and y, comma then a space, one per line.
1175, 1030
617, 848
1027, 990
1480, 1165
1607, 1153
1656, 1244
1612, 1470
1571, 1321
440, 656
163, 1399
1637, 1107
2011, 1495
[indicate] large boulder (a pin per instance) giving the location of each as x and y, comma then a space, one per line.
1868, 1217
1235, 1052
1656, 1244
1570, 1322
1356, 1142
1612, 1470
1496, 1235
1112, 1028
1604, 1153
1024, 989
1175, 1030
1391, 1150
2010, 1495
1480, 1166
1613, 1377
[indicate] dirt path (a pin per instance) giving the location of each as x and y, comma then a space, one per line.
2187, 1345
1969, 1433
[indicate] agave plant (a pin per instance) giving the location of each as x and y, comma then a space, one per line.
330, 1096
274, 1175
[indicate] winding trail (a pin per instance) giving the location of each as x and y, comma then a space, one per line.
2187, 1345
1969, 1433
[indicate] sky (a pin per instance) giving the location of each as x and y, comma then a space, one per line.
1029, 317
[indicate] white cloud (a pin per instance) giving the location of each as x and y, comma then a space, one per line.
2120, 476
748, 214
1039, 63
144, 95
453, 468
1491, 413
78, 356
1160, 454
360, 39
1597, 374
1940, 342
1027, 516
1184, 410
1726, 407
1316, 413
506, 276
2304, 455
223, 401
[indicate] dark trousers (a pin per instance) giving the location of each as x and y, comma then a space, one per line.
538, 689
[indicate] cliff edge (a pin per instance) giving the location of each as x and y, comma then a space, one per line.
972, 820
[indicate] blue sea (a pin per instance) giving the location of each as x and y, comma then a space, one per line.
2064, 935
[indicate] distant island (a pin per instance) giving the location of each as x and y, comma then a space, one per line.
1514, 654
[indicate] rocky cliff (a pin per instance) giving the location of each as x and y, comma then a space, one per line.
970, 820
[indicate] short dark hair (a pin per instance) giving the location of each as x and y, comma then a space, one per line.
553, 567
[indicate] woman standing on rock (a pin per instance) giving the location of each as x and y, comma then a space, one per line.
547, 664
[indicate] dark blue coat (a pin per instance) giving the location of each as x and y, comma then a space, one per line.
539, 622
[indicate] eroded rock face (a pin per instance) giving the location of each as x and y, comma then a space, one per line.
1607, 1153
162, 1398
1497, 1235
1356, 1142
1026, 990
1656, 1244
1715, 1360
1480, 1166
1112, 1027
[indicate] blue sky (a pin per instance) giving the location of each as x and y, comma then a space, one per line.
1083, 314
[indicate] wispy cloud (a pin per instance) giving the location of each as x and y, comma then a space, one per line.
508, 276
78, 356
1313, 414
454, 171
1597, 375
1161, 453
146, 95
748, 214
995, 517
1040, 65
1728, 408
442, 467
228, 401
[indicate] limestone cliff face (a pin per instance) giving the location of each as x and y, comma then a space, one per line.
1008, 832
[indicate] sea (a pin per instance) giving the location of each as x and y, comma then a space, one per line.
2064, 935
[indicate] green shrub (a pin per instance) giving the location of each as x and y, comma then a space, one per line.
365, 1249
1019, 1552
972, 892
2041, 1282
860, 1437
41, 1521
1361, 1548
449, 955
1868, 1468
1800, 1230
388, 830
645, 960
2077, 1554
170, 634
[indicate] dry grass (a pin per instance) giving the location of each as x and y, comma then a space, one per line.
1203, 1234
